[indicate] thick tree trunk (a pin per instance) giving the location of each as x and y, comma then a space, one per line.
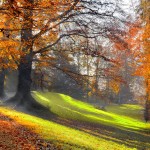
24, 77
23, 99
23, 95
2, 80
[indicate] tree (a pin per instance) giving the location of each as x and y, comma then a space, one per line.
9, 55
145, 59
2, 79
31, 16
59, 75
36, 25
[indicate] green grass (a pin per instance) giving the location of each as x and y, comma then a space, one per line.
123, 116
65, 137
133, 111
121, 126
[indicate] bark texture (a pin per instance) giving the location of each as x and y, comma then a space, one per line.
2, 83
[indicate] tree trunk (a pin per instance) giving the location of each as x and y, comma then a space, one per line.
24, 77
147, 111
2, 79
147, 103
23, 97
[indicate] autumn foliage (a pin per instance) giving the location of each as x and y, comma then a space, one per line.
16, 16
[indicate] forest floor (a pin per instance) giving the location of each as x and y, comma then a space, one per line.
14, 136
77, 125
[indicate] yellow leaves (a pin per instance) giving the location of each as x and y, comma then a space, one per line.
48, 3
39, 16
49, 37
9, 54
15, 135
3, 20
1, 34
8, 21
53, 7
2, 24
115, 86
43, 64
6, 66
89, 93
8, 43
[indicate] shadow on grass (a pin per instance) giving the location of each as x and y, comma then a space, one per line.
29, 105
130, 138
133, 138
33, 138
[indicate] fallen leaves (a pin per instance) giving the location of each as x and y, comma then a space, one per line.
14, 136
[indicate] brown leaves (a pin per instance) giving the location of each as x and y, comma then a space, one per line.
14, 136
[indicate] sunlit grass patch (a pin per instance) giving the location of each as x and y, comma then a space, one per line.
130, 110
125, 120
65, 137
124, 116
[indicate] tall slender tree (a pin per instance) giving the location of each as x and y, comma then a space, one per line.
145, 4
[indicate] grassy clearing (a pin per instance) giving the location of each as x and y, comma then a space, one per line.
126, 122
65, 137
123, 116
